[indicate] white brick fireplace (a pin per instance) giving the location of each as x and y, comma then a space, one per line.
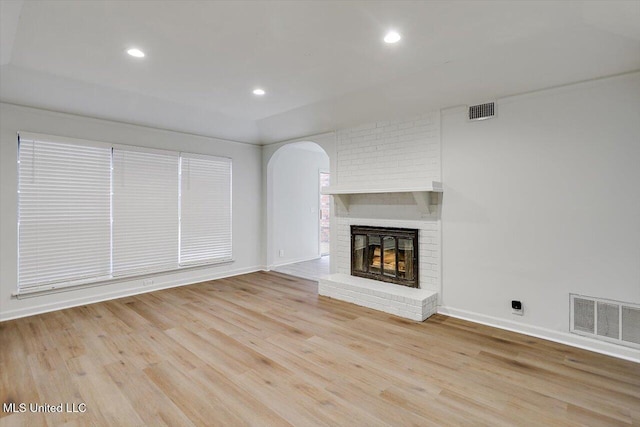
388, 175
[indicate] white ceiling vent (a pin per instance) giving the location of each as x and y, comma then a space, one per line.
482, 111
613, 321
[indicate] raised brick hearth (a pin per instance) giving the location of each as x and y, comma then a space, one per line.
410, 303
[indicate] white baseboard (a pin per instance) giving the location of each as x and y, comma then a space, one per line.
293, 261
174, 283
573, 340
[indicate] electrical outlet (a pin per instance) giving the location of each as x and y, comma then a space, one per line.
281, 253
147, 282
517, 308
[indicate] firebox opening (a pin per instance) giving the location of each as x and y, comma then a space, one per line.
385, 254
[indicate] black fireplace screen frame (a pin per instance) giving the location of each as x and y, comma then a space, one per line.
380, 233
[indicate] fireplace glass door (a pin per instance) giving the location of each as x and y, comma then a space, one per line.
386, 254
405, 258
358, 252
374, 263
389, 258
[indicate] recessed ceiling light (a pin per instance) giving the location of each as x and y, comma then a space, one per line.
136, 53
259, 92
392, 37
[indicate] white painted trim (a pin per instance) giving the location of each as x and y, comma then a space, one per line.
299, 139
67, 287
320, 172
434, 186
452, 109
271, 267
544, 333
99, 120
45, 308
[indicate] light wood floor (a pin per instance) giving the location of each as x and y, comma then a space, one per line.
263, 349
312, 270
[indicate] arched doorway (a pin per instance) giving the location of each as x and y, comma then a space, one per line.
297, 217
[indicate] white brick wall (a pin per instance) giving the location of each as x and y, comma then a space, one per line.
398, 153
402, 153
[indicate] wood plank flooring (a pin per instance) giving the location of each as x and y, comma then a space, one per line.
264, 349
312, 270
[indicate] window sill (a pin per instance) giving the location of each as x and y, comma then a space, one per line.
66, 287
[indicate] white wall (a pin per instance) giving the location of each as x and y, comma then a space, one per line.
247, 202
543, 201
269, 153
296, 198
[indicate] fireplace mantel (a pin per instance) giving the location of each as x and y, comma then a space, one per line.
421, 194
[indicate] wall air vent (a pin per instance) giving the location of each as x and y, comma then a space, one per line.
631, 325
613, 321
482, 111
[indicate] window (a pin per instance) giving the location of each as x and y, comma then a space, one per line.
145, 211
90, 212
205, 209
63, 212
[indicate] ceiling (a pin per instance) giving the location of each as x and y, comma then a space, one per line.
323, 63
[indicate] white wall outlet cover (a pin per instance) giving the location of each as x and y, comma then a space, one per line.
281, 253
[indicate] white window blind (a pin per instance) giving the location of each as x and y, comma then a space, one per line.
63, 211
145, 211
90, 212
205, 209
